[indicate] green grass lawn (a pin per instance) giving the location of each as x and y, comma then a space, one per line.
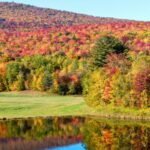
35, 104
16, 105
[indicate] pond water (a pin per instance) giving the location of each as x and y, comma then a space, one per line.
73, 133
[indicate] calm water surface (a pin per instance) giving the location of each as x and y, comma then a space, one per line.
73, 133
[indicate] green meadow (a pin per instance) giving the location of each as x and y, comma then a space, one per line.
17, 105
38, 104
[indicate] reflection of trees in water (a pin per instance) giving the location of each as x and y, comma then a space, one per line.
101, 135
22, 144
39, 133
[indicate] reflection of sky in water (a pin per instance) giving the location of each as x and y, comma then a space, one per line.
78, 146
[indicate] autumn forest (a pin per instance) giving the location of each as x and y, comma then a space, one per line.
105, 59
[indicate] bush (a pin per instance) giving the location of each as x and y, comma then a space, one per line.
2, 84
63, 84
75, 86
20, 84
63, 89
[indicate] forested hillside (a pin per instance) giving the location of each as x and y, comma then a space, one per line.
14, 15
67, 53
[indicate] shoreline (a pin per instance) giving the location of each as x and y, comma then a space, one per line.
24, 105
96, 116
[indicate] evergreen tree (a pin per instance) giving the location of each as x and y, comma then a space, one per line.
104, 46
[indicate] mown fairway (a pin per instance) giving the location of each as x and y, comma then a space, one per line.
14, 105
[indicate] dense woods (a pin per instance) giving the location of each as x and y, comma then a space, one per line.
14, 15
66, 53
118, 78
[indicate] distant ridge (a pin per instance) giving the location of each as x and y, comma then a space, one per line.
14, 15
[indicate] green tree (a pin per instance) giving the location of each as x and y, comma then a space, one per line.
15, 74
44, 81
104, 46
12, 71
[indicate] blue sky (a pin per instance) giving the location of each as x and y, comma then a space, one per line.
128, 9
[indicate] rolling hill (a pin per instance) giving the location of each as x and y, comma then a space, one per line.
50, 50
19, 15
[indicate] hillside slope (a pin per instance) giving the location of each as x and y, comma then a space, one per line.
20, 15
49, 50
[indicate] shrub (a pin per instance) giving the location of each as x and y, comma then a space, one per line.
20, 84
63, 84
2, 84
75, 86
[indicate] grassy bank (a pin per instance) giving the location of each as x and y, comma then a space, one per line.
122, 113
31, 104
34, 104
